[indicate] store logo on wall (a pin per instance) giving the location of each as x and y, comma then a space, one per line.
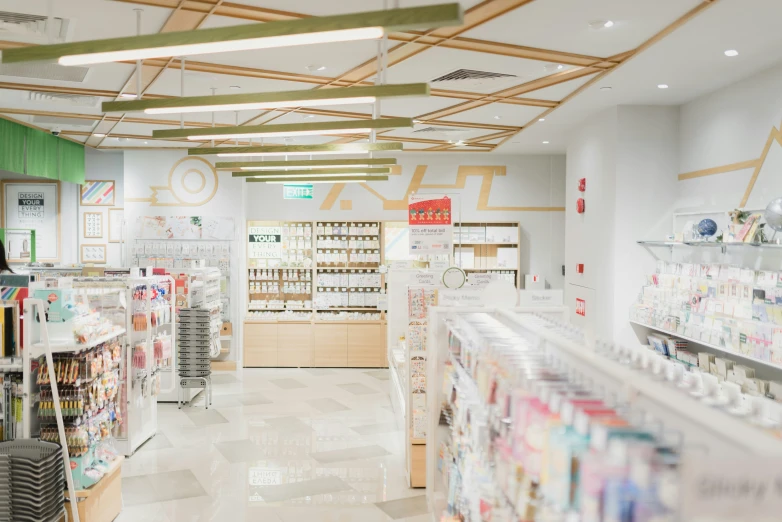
192, 182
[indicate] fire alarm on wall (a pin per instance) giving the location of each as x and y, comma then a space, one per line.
582, 185
580, 268
580, 205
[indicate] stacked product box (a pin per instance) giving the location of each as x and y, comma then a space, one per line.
194, 339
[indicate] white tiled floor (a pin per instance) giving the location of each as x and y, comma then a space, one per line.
277, 445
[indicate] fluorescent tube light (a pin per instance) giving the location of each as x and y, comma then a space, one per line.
303, 167
299, 176
296, 150
306, 164
350, 27
263, 105
268, 42
285, 129
209, 137
292, 153
269, 100
314, 173
283, 182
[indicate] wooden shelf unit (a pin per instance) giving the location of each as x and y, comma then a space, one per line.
485, 250
315, 342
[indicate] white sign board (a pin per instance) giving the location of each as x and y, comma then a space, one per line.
460, 297
264, 242
725, 489
479, 279
33, 206
541, 298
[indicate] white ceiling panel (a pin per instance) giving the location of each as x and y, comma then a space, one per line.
559, 91
563, 25
200, 84
499, 114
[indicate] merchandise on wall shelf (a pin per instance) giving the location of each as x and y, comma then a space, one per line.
484, 247
730, 308
348, 244
276, 244
177, 254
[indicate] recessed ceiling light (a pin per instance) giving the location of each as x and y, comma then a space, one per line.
545, 143
560, 67
601, 24
146, 142
662, 86
316, 67
606, 88
460, 143
541, 119
99, 135
731, 52
498, 117
308, 116
127, 95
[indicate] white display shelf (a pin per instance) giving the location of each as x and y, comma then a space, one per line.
722, 349
708, 244
66, 346
701, 424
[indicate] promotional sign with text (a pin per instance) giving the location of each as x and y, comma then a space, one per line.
265, 243
430, 221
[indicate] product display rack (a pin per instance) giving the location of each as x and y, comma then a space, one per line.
675, 413
149, 320
330, 324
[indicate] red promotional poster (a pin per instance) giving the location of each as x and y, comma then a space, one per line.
429, 217
429, 211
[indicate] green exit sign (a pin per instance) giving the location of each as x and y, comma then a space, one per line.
297, 191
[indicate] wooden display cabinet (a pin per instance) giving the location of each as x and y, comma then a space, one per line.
316, 342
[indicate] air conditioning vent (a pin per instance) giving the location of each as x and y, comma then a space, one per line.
59, 120
32, 28
460, 75
69, 99
20, 18
44, 71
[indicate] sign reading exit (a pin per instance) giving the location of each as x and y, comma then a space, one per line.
297, 191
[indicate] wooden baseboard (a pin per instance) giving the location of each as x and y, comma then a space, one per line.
224, 366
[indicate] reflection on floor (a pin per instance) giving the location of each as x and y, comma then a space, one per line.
278, 445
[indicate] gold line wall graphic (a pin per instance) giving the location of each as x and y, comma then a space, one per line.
486, 172
757, 164
197, 163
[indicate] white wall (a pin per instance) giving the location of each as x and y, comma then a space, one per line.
529, 181
104, 165
646, 185
167, 183
591, 154
629, 157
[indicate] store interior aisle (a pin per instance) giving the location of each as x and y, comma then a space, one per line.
277, 445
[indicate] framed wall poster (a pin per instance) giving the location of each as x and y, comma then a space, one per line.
93, 225
116, 221
93, 254
97, 193
32, 205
